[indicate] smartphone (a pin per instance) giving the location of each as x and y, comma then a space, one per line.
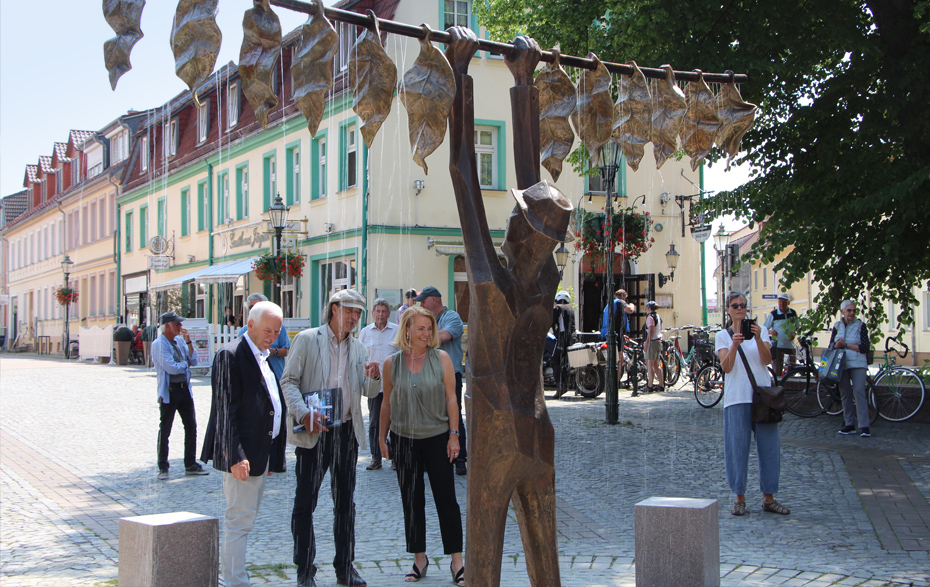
746, 328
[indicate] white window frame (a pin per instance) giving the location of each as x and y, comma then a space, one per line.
458, 19
144, 153
491, 150
170, 138
322, 167
203, 122
346, 42
232, 105
76, 169
295, 173
58, 180
351, 156
225, 216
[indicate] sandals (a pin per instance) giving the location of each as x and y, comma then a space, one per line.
739, 508
459, 577
775, 508
416, 574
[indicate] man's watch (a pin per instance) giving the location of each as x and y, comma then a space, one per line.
456, 432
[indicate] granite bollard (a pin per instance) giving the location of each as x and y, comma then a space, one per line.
178, 549
677, 542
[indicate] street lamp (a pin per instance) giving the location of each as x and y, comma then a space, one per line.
671, 257
561, 258
278, 215
66, 265
722, 243
609, 163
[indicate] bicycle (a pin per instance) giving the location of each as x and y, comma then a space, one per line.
700, 354
802, 384
895, 393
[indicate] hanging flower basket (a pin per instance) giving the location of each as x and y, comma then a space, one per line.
278, 267
66, 295
630, 233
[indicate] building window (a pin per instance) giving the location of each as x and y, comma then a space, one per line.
222, 198
76, 169
185, 212
143, 226
102, 217
486, 155
171, 138
288, 295
144, 153
346, 42
111, 294
202, 218
456, 13
926, 307
119, 147
128, 245
242, 192
92, 235
765, 277
162, 216
44, 184
58, 182
318, 181
85, 227
348, 175
232, 105
203, 122
336, 275
269, 182
292, 162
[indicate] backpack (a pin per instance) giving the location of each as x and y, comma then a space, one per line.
645, 332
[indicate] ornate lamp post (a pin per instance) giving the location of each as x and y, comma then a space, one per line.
609, 163
561, 258
66, 265
722, 243
278, 215
671, 257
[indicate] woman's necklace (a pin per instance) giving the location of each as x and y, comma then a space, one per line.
415, 377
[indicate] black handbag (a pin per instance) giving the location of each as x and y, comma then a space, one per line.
768, 403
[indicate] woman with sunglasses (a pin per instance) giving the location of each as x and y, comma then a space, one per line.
849, 333
738, 427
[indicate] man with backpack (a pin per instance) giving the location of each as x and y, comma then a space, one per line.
621, 327
652, 343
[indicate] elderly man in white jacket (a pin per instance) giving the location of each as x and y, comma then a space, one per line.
328, 359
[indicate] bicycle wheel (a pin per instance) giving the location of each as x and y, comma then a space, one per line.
899, 394
708, 386
672, 369
588, 381
828, 396
800, 385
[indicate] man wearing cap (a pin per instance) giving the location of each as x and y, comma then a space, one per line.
653, 348
408, 301
378, 337
328, 357
173, 363
621, 327
279, 348
782, 323
245, 437
451, 329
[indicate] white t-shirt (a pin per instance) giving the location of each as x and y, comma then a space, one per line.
737, 388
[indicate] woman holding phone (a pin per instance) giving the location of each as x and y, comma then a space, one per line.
421, 412
738, 427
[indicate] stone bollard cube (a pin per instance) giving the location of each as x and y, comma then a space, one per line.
677, 542
178, 549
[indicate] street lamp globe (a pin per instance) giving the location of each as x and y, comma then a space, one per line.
721, 239
278, 213
671, 257
66, 265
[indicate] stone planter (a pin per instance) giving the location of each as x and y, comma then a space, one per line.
122, 352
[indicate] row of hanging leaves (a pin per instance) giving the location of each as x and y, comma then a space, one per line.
663, 115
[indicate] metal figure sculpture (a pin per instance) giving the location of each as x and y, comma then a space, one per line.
511, 439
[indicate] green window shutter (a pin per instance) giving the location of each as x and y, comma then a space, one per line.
128, 232
161, 217
143, 225
185, 209
201, 220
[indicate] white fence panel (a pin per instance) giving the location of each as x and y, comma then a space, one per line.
95, 342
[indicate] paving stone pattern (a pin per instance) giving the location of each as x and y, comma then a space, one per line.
77, 452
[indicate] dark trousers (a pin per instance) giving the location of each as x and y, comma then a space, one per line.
180, 401
374, 425
778, 359
336, 452
463, 437
413, 458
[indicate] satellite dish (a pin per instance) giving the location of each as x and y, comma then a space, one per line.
158, 245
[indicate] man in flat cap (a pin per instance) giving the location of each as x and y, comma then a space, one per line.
782, 324
173, 364
328, 365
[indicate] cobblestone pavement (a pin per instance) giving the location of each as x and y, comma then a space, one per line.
77, 452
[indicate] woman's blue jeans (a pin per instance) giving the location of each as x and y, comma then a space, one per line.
737, 435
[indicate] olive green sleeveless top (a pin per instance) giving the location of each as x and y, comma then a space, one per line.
418, 401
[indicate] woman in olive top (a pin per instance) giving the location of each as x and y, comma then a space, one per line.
421, 412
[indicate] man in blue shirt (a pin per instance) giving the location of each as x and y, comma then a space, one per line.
281, 345
451, 329
621, 327
173, 363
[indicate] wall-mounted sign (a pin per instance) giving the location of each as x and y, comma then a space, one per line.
701, 233
158, 262
769, 296
158, 245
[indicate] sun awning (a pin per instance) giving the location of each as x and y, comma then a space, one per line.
226, 272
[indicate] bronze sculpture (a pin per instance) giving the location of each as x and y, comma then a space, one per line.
312, 70
258, 56
195, 42
372, 77
512, 441
700, 123
124, 17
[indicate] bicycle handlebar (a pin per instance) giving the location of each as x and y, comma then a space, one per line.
889, 347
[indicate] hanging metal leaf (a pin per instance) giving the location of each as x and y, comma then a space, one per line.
124, 17
736, 118
372, 77
701, 122
261, 47
667, 114
312, 70
593, 117
427, 92
633, 116
556, 103
195, 42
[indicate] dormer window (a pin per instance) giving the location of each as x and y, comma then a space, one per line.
120, 147
170, 138
203, 122
232, 104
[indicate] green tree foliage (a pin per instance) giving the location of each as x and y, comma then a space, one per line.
840, 153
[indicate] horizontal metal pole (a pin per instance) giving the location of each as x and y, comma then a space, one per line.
409, 30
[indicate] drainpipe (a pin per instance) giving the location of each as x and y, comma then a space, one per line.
703, 269
116, 252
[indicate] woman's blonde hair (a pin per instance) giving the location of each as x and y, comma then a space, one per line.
406, 321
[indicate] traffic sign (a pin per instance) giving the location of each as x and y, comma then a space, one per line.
769, 296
